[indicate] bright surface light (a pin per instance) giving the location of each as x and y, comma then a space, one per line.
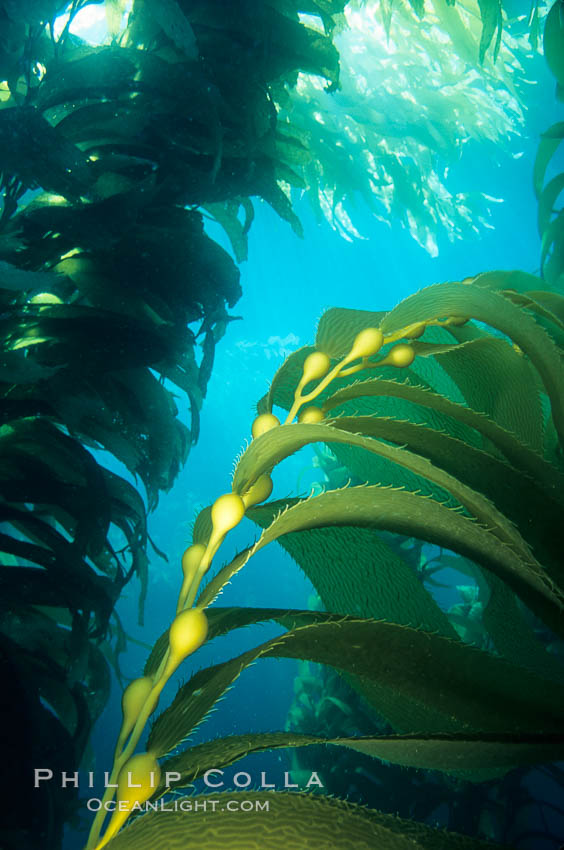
91, 23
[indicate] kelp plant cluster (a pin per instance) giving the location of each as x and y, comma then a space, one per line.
548, 182
420, 84
450, 409
112, 300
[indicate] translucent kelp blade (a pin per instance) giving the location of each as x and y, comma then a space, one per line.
416, 680
269, 449
548, 145
414, 516
526, 503
520, 455
338, 327
497, 380
293, 820
455, 299
223, 620
473, 754
513, 633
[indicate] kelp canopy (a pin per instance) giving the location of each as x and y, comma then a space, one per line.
113, 298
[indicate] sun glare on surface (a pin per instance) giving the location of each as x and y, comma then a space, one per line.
91, 23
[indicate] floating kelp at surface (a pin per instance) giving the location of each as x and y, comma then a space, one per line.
416, 87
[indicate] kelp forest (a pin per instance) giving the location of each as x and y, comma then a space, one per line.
438, 423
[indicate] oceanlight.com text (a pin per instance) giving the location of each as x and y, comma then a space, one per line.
94, 804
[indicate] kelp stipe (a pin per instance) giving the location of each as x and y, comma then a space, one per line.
406, 405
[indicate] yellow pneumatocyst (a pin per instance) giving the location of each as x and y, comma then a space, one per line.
311, 415
259, 491
226, 513
45, 298
263, 423
315, 366
134, 698
401, 356
191, 560
187, 633
137, 781
141, 770
366, 343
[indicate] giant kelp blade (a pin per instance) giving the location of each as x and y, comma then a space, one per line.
380, 584
518, 453
512, 631
549, 144
40, 155
414, 516
291, 820
497, 380
385, 587
467, 300
553, 41
338, 327
469, 753
539, 515
416, 680
223, 620
491, 14
269, 449
540, 304
503, 280
547, 201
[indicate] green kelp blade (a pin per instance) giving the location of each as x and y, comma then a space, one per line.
38, 154
338, 327
499, 381
481, 752
515, 279
463, 752
414, 516
41, 464
552, 243
553, 42
551, 322
474, 302
283, 820
270, 448
416, 680
548, 145
385, 587
518, 497
520, 455
513, 633
553, 302
223, 620
547, 201
382, 584
266, 451
226, 213
492, 22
